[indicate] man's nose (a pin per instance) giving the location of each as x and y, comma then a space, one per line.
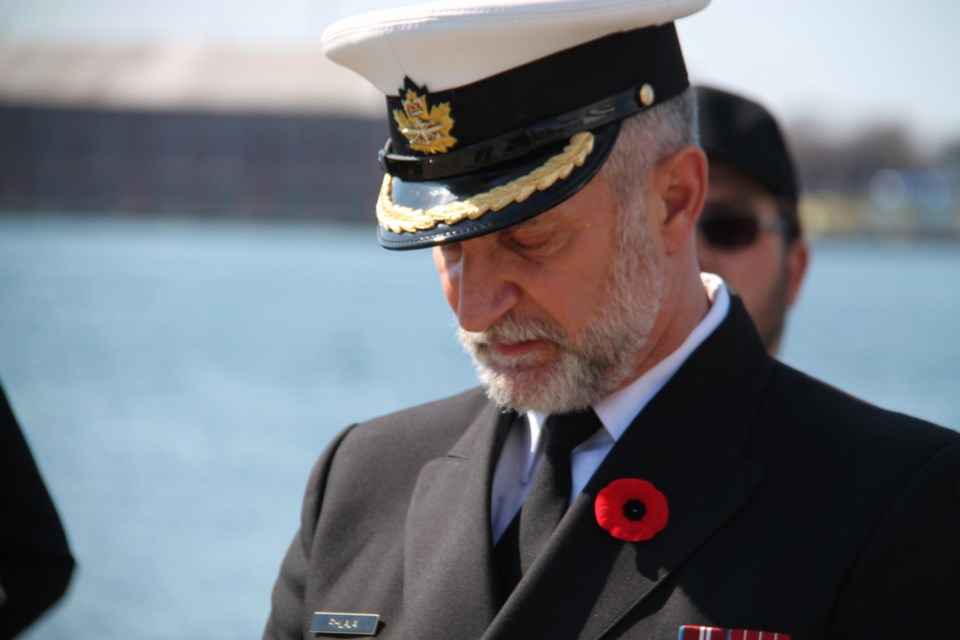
486, 291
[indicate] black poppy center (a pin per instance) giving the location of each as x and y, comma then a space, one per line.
634, 509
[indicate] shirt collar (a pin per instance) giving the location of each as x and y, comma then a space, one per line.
618, 410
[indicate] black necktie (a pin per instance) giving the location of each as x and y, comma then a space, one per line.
548, 498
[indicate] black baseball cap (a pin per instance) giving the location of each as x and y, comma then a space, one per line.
741, 132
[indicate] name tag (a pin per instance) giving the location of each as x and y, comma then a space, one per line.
347, 624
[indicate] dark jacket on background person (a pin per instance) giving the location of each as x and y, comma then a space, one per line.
794, 508
35, 560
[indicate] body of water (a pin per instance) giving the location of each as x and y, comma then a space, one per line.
177, 379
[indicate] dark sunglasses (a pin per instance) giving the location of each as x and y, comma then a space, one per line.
728, 228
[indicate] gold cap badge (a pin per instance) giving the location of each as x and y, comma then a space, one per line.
426, 128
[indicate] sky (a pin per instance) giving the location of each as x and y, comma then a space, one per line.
840, 62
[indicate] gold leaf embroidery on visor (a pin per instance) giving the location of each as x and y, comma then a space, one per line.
399, 219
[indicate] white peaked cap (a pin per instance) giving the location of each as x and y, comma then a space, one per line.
500, 110
443, 45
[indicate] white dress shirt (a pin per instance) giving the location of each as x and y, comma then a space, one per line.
520, 457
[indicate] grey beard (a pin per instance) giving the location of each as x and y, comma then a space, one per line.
589, 365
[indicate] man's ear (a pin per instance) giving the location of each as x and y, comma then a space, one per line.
681, 183
798, 257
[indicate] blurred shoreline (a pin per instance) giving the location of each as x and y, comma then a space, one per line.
220, 131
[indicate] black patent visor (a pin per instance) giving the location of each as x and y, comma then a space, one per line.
440, 204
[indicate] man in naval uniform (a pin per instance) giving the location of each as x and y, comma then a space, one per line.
636, 465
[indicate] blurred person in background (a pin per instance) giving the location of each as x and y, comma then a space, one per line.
35, 559
749, 232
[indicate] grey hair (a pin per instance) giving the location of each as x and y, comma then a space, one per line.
647, 138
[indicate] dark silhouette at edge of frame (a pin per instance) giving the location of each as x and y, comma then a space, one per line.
35, 559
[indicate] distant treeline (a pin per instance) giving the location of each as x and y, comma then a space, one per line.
849, 163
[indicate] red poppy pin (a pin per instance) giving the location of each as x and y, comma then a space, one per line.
631, 509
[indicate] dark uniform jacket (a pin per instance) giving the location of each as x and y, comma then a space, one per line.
794, 508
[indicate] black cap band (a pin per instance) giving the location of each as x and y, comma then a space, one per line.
511, 114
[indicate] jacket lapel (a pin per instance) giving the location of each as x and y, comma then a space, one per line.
619, 576
450, 584
688, 442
